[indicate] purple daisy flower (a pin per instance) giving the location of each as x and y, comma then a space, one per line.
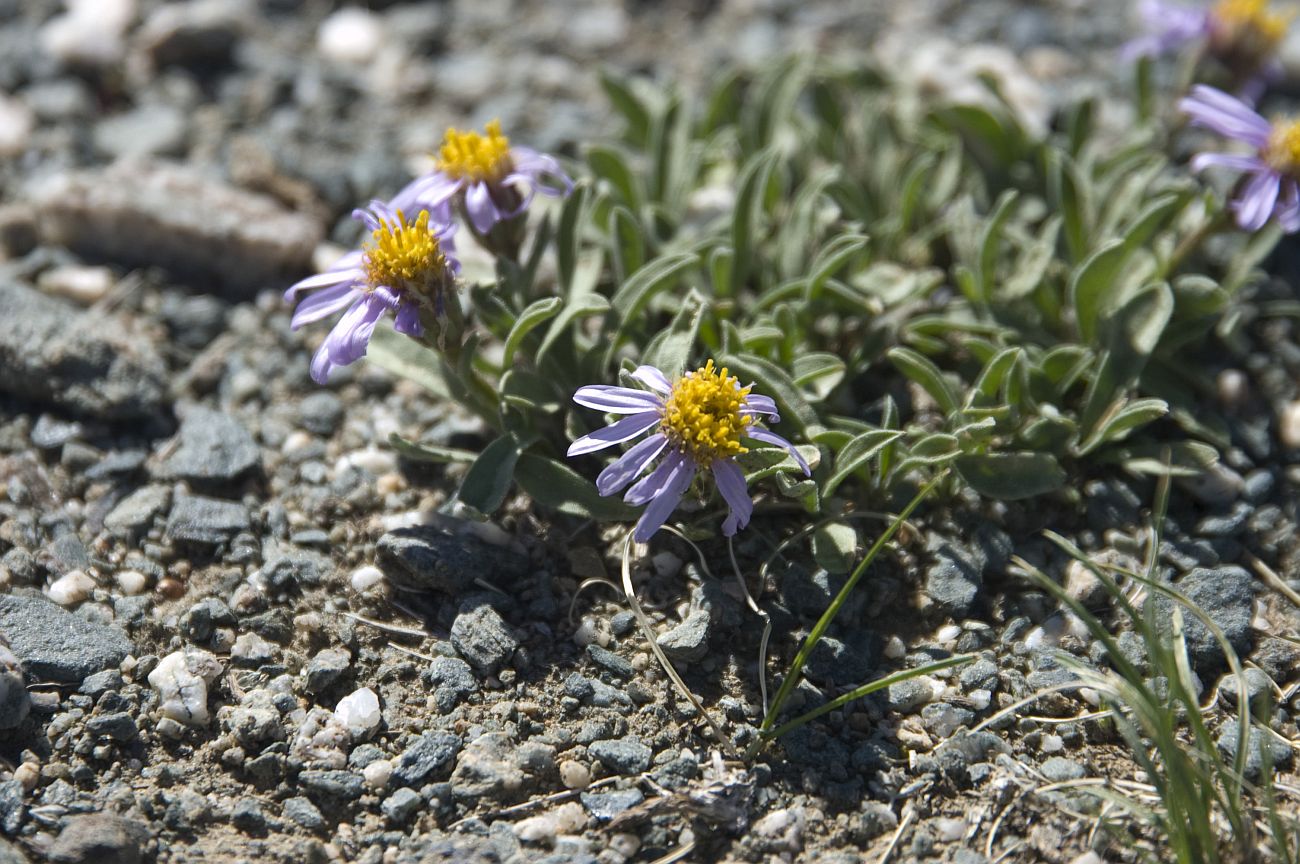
1272, 185
701, 420
1167, 28
406, 269
494, 181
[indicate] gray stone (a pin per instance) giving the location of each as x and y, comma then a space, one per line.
55, 645
206, 521
320, 412
1279, 753
689, 640
128, 213
982, 673
302, 812
15, 703
343, 785
199, 34
482, 638
91, 364
119, 726
875, 820
213, 446
401, 805
247, 816
428, 558
296, 569
622, 755
1259, 690
609, 661
1226, 595
325, 668
101, 682
135, 513
12, 807
1058, 769
908, 694
156, 129
428, 757
594, 692
66, 553
606, 805
204, 616
51, 433
11, 854
98, 838
452, 680
487, 768
953, 579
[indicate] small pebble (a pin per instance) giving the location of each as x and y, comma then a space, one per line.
1288, 426
574, 775
359, 713
132, 582
365, 578
350, 35
81, 285
71, 588
378, 773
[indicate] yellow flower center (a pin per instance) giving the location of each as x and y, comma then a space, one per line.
406, 256
471, 156
1282, 151
702, 414
1250, 25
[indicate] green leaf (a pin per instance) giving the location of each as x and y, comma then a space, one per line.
629, 105
994, 373
558, 487
628, 242
670, 351
537, 313
932, 451
1011, 476
1068, 195
752, 185
530, 391
835, 255
1122, 420
642, 285
428, 452
1033, 263
992, 242
720, 270
488, 481
1132, 333
818, 371
566, 238
1184, 458
575, 308
407, 358
835, 546
610, 165
1092, 281
855, 455
924, 373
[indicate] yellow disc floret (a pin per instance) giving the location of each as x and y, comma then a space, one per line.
471, 156
1282, 151
702, 415
406, 256
1249, 24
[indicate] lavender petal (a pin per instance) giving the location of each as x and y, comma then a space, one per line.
615, 433
731, 483
323, 304
666, 501
616, 400
768, 437
630, 465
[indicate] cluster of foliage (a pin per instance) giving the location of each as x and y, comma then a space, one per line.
830, 235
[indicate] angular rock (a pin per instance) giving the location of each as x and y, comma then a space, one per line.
15, 704
136, 512
1260, 744
482, 638
1226, 595
213, 446
206, 521
427, 757
952, 579
148, 213
91, 364
98, 838
55, 645
486, 768
689, 640
622, 755
430, 558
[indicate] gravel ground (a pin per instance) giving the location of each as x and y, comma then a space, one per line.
236, 627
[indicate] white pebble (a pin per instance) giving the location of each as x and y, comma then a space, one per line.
350, 35
28, 774
951, 830
1233, 387
370, 459
91, 32
81, 285
1288, 427
181, 679
1052, 744
71, 588
132, 581
948, 633
377, 773
574, 775
16, 124
894, 648
979, 699
365, 578
296, 441
359, 713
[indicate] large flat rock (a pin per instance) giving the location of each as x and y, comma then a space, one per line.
91, 364
142, 212
55, 645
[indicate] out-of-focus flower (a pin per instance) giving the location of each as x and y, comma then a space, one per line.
1271, 186
406, 268
1242, 35
700, 422
492, 180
